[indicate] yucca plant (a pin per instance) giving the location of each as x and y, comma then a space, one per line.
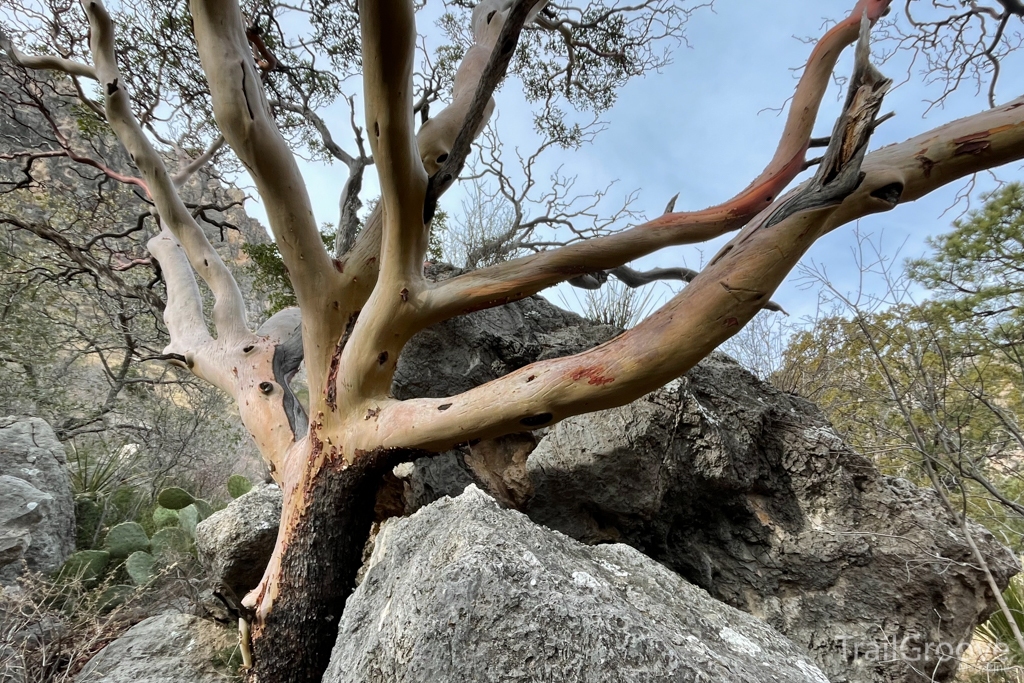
98, 475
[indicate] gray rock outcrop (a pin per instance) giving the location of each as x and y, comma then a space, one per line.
168, 648
37, 510
235, 544
750, 494
743, 490
464, 590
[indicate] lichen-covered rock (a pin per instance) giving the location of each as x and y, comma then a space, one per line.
235, 543
37, 512
168, 648
750, 494
466, 591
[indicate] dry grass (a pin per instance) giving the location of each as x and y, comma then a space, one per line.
50, 628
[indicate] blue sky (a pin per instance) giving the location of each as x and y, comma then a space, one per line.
708, 123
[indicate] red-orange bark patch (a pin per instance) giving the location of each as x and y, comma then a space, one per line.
926, 165
592, 375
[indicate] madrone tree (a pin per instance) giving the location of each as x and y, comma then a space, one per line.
358, 308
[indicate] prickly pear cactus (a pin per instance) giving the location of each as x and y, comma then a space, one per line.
125, 539
162, 517
188, 518
140, 566
113, 597
203, 508
175, 498
238, 485
86, 565
170, 540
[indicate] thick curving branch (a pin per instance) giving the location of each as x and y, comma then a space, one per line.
237, 361
496, 34
731, 289
245, 118
255, 370
193, 167
388, 50
229, 315
522, 277
45, 62
446, 138
638, 278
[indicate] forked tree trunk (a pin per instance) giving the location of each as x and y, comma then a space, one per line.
320, 550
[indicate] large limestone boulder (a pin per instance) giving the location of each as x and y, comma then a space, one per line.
750, 494
464, 590
168, 648
37, 510
234, 544
745, 491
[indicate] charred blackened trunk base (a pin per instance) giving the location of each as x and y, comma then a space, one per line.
318, 570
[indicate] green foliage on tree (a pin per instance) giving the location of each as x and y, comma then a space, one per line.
977, 269
931, 390
270, 277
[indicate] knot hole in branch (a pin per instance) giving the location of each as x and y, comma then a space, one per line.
890, 194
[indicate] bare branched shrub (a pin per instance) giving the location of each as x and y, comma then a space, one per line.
51, 627
760, 348
614, 303
482, 236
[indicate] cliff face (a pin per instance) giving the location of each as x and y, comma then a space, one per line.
53, 189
